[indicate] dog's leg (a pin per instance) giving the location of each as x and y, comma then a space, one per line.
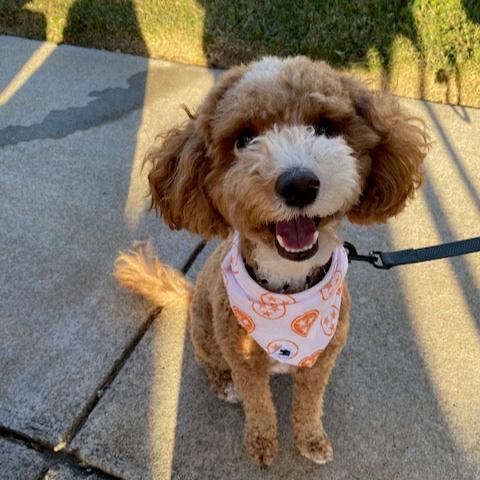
251, 380
249, 367
207, 351
308, 390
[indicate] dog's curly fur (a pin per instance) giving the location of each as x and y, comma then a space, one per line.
202, 181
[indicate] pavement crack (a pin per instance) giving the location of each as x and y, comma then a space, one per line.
58, 453
193, 256
120, 362
25, 440
110, 377
52, 457
43, 473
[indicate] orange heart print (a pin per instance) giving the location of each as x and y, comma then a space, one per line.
302, 324
309, 360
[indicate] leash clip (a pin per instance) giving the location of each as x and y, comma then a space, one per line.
374, 258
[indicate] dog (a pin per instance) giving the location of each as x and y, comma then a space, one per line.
277, 155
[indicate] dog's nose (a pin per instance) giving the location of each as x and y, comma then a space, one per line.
298, 187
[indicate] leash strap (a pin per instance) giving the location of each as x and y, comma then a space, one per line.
386, 260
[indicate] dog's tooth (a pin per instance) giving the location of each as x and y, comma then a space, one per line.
297, 250
308, 247
280, 241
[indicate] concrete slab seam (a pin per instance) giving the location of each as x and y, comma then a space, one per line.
117, 366
53, 458
193, 256
43, 473
110, 377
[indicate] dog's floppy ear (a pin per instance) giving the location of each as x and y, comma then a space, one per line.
182, 171
178, 182
396, 170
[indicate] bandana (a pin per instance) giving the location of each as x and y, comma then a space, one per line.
294, 328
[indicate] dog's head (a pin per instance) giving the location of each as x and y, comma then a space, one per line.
280, 148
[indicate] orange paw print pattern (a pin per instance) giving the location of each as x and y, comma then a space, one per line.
272, 306
302, 324
245, 321
282, 349
329, 322
309, 361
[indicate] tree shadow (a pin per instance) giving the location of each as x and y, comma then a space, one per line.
105, 24
472, 11
472, 8
454, 155
233, 34
107, 106
357, 34
13, 16
461, 265
447, 76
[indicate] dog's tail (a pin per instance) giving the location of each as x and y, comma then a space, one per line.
145, 275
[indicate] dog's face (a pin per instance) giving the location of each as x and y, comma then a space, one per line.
279, 150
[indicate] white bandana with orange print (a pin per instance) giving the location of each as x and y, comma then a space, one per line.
293, 328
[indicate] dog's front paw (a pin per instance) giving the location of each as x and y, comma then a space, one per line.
229, 394
262, 445
316, 447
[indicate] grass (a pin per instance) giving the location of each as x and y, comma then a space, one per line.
418, 48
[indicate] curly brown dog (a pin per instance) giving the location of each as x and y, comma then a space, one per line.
280, 151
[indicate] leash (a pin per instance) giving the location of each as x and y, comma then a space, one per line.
386, 260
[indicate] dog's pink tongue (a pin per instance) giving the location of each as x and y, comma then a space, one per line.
297, 233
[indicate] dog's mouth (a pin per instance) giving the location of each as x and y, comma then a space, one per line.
297, 239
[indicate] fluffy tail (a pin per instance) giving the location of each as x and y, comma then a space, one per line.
145, 275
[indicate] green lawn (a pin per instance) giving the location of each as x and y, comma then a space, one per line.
419, 48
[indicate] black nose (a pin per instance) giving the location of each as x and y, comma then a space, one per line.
298, 187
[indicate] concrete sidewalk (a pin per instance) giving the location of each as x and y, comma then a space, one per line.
93, 386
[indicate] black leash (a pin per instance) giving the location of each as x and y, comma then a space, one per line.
386, 260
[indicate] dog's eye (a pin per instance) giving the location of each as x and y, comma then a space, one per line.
245, 137
324, 127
